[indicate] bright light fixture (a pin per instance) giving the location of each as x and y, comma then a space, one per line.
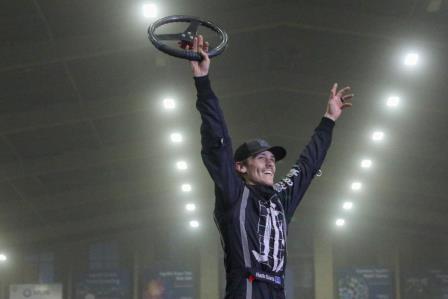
366, 163
347, 205
169, 104
356, 186
190, 207
176, 137
411, 59
393, 101
181, 165
3, 257
340, 222
186, 187
150, 10
194, 223
377, 136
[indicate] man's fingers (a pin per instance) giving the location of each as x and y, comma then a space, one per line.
203, 54
346, 105
347, 97
198, 44
333, 89
200, 41
343, 90
195, 44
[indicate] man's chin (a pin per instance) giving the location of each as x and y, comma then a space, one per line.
264, 182
268, 183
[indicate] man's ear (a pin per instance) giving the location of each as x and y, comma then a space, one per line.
240, 167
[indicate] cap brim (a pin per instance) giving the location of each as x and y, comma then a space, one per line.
278, 152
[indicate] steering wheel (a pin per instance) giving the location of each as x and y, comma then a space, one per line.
185, 38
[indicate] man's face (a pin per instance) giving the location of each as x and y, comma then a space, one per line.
259, 169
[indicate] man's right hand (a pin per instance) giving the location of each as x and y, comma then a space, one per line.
200, 68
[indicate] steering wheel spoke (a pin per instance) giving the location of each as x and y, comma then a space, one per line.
192, 28
174, 36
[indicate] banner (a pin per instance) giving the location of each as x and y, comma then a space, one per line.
35, 291
439, 284
365, 283
430, 284
104, 285
168, 282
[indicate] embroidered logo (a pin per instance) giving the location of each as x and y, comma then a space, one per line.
287, 181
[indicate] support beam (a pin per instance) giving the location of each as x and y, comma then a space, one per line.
323, 265
209, 266
136, 262
397, 271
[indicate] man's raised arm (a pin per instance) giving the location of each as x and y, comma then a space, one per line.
217, 153
297, 181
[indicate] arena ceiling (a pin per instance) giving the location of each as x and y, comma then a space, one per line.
84, 145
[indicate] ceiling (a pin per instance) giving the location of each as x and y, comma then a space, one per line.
84, 142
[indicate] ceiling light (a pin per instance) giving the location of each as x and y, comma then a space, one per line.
411, 59
169, 104
194, 223
3, 257
181, 165
190, 207
340, 222
176, 137
150, 10
347, 205
392, 101
356, 186
377, 136
186, 187
366, 163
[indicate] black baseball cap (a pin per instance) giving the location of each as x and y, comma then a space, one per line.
255, 146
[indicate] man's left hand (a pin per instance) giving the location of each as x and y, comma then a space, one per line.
338, 102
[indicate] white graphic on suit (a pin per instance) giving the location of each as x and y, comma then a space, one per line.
271, 236
288, 180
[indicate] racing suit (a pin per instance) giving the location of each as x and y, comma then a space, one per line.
253, 219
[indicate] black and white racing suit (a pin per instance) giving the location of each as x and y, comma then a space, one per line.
253, 220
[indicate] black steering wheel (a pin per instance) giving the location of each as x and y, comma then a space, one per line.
185, 38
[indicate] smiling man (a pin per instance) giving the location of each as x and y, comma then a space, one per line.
251, 211
255, 161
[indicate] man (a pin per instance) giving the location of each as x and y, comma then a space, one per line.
251, 212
